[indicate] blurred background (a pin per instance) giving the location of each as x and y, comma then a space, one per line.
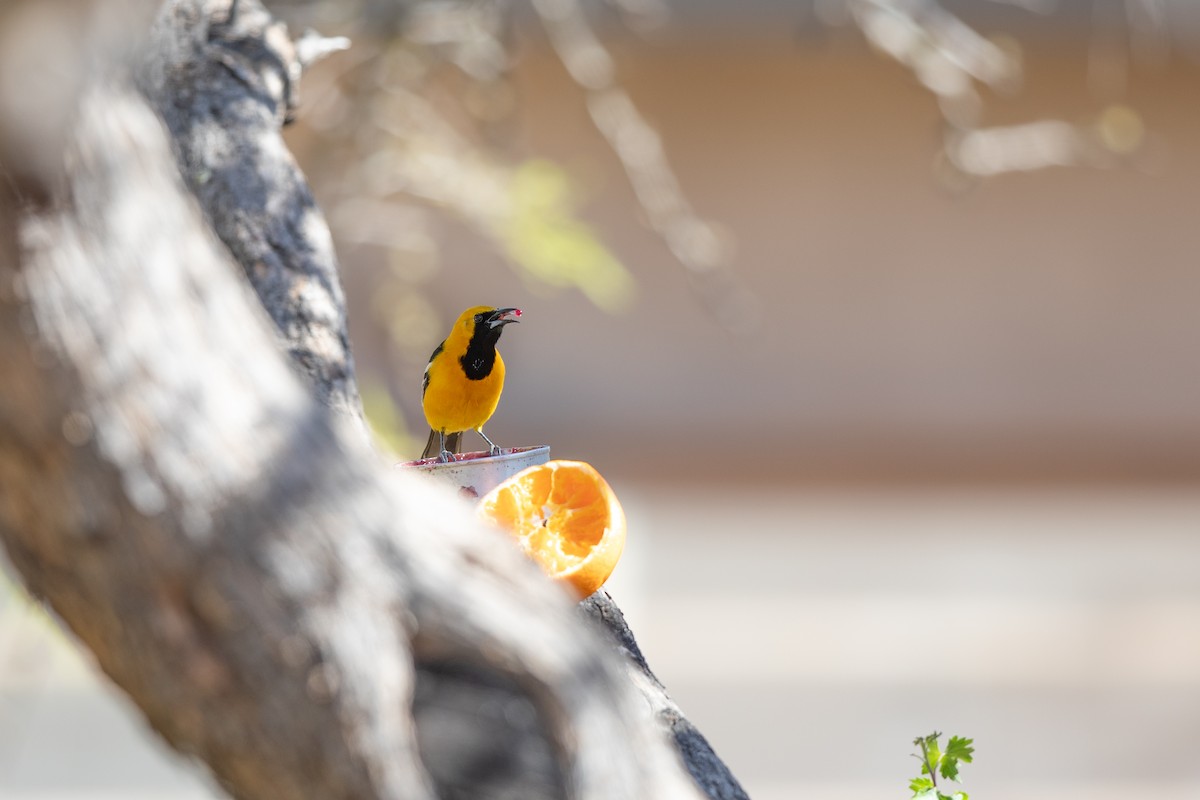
879, 315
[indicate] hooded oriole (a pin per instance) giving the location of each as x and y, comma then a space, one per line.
464, 379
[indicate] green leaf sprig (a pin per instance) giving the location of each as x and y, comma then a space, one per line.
935, 762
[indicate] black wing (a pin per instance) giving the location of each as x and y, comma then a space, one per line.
436, 353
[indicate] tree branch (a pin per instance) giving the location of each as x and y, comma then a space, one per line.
272, 598
705, 766
224, 77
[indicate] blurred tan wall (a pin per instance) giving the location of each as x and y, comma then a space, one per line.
1041, 325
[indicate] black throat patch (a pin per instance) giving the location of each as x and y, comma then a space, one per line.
480, 357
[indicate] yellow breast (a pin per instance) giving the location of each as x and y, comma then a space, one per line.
453, 402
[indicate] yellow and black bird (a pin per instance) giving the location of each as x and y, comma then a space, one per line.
464, 379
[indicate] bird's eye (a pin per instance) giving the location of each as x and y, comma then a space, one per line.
478, 318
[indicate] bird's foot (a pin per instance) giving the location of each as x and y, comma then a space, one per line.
445, 457
496, 451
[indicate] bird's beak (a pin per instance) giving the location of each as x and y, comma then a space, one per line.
503, 316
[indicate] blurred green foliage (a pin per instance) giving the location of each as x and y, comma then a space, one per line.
549, 243
385, 420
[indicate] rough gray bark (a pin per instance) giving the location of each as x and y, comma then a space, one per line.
277, 602
705, 766
224, 77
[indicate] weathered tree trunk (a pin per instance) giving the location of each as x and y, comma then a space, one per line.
224, 77
276, 601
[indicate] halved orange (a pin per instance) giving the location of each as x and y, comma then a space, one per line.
565, 517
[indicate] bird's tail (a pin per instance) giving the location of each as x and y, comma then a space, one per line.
433, 448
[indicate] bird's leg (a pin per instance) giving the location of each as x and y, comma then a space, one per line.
445, 456
495, 450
